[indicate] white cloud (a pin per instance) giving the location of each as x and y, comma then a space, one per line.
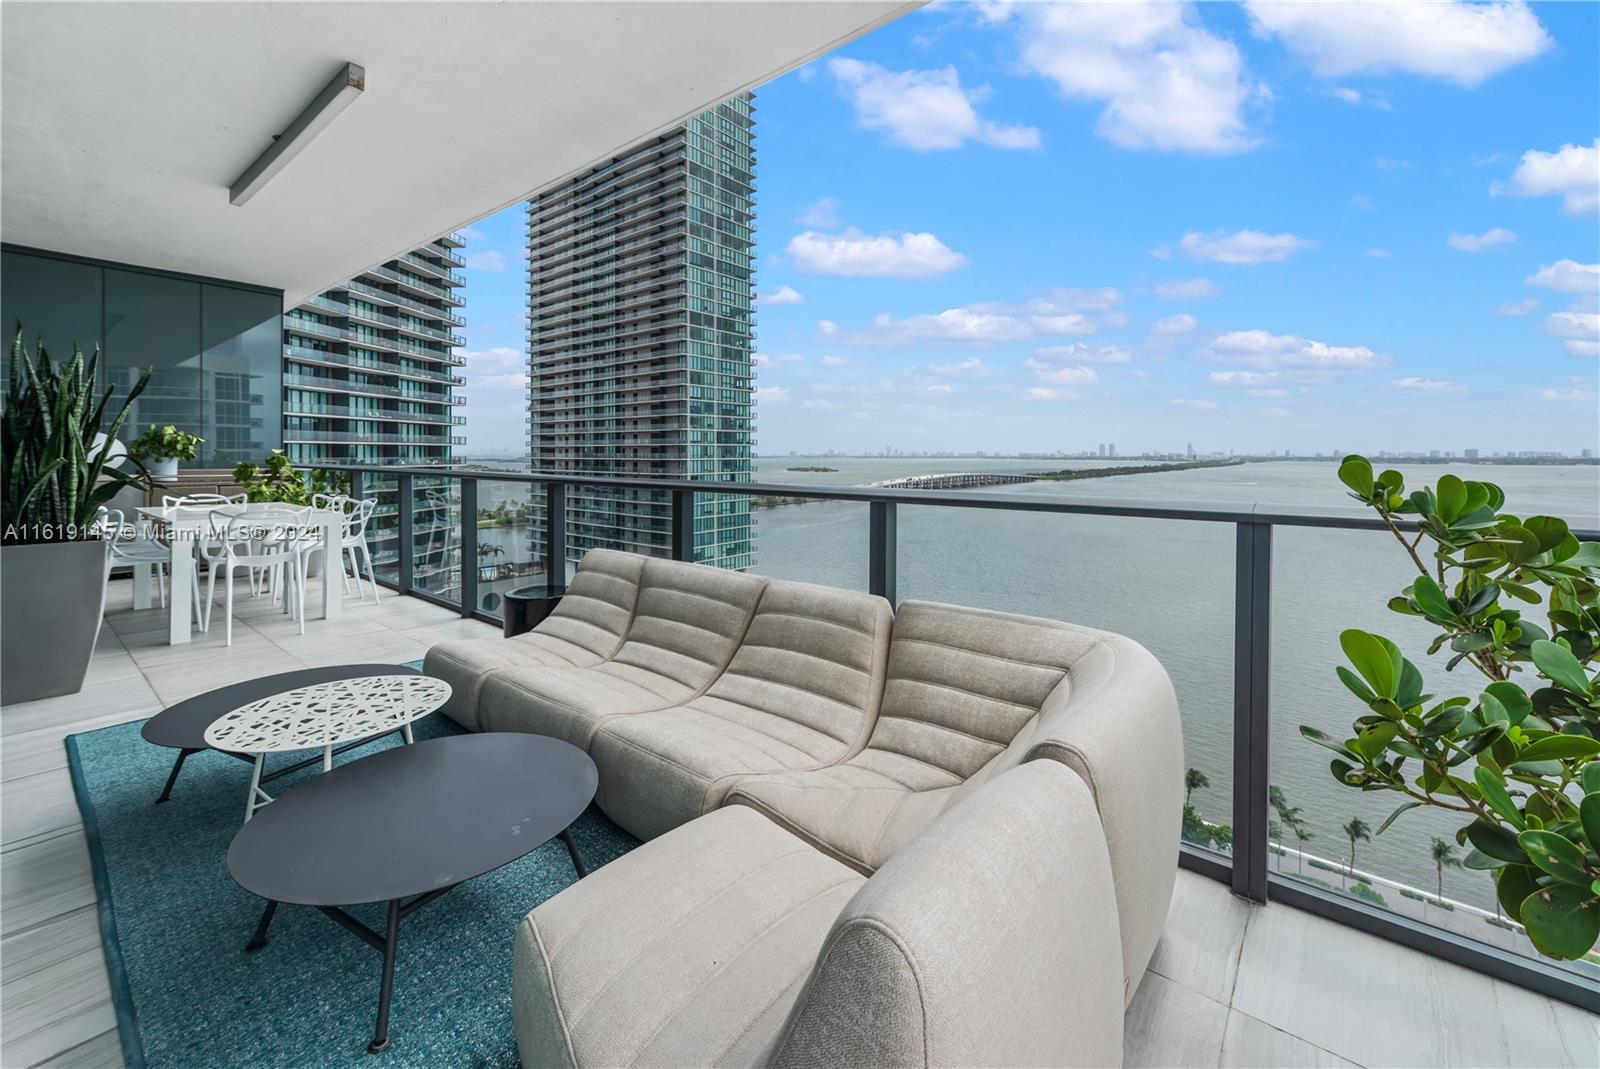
1170, 326
1578, 329
820, 214
1241, 378
764, 360
1517, 308
1278, 413
1246, 247
782, 295
1062, 375
820, 404
1185, 289
1572, 173
1489, 239
1567, 276
1379, 254
1048, 393
1083, 353
1463, 43
1361, 201
1413, 384
833, 361
487, 260
1289, 358
922, 110
855, 254
972, 365
772, 395
1164, 81
1356, 98
957, 326
1197, 404
1570, 390
500, 367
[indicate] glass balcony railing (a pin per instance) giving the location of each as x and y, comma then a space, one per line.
1233, 641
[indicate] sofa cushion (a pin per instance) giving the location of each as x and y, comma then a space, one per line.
988, 940
687, 951
801, 692
585, 629
1111, 716
687, 622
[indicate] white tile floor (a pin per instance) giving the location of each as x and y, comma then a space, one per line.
1230, 985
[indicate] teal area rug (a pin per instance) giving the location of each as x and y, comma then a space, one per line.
175, 925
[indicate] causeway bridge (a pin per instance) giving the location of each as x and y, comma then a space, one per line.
954, 481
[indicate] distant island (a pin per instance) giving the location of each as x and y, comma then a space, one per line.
811, 467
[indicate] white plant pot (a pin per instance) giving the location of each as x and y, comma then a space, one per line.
164, 470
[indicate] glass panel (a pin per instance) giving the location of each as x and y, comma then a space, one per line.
638, 521
242, 408
436, 536
154, 322
508, 556
1397, 869
811, 541
383, 535
58, 302
1167, 584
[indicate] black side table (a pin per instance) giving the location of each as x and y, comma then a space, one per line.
527, 606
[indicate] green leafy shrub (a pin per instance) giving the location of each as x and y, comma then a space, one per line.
54, 473
277, 480
164, 443
1364, 890
1518, 759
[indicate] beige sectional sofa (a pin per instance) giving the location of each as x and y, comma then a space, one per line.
798, 754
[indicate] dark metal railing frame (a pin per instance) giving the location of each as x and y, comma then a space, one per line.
1245, 869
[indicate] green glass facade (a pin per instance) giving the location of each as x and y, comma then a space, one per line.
640, 334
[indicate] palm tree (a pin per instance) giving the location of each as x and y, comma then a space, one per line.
1444, 855
1357, 829
1193, 780
1290, 815
1275, 834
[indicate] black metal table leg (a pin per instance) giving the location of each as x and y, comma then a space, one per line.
177, 766
259, 940
380, 1034
572, 850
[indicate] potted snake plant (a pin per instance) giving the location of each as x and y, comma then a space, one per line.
58, 446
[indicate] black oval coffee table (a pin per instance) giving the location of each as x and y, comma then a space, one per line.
182, 727
406, 825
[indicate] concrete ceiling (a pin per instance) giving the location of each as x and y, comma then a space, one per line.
123, 125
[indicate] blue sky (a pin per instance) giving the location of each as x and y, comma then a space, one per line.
1038, 227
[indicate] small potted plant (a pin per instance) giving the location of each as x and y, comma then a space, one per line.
163, 447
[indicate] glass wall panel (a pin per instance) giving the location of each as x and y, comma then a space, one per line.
1414, 866
507, 554
153, 321
811, 541
1167, 584
383, 535
57, 301
242, 407
436, 536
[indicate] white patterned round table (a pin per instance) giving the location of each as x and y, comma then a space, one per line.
323, 716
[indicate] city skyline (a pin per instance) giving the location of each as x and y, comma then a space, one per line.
1358, 229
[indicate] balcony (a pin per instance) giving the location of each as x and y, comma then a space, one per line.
1245, 973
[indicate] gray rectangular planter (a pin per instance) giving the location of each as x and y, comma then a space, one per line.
52, 597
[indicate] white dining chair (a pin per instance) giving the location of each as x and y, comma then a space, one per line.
274, 542
354, 546
126, 546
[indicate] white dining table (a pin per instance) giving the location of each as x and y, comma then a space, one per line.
185, 525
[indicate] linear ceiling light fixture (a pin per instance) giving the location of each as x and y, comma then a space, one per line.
334, 98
